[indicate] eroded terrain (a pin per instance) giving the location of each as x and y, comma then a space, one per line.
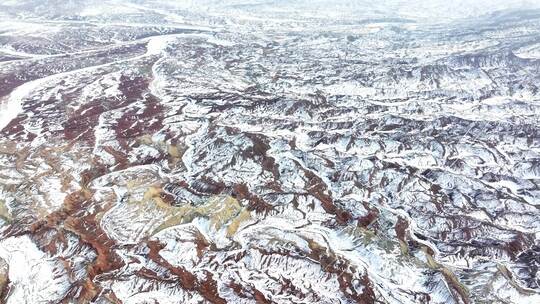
263, 153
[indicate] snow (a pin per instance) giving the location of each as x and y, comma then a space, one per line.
35, 277
12, 106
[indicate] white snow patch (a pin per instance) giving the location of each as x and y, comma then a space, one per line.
349, 88
35, 278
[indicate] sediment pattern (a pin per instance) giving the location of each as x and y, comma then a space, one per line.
152, 153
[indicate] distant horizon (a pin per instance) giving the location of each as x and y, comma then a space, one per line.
420, 10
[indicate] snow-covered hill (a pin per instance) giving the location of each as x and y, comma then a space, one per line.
269, 151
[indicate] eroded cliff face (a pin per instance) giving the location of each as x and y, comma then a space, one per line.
267, 153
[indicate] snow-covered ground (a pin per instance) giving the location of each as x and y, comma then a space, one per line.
269, 151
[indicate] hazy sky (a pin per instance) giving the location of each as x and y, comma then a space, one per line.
419, 10
424, 9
